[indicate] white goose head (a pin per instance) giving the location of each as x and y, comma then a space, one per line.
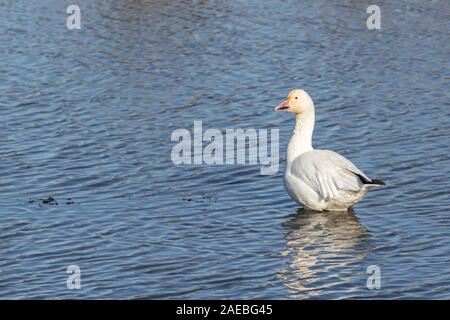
300, 103
297, 101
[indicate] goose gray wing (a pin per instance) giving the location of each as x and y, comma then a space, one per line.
328, 173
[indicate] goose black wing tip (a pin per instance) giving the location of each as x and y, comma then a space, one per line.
367, 181
379, 182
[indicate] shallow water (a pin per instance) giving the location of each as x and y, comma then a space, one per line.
86, 118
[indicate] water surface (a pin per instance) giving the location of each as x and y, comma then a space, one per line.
86, 118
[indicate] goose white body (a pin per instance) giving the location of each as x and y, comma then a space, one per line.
320, 180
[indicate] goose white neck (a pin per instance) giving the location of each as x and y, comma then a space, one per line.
301, 140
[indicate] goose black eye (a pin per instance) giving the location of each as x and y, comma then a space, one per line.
296, 97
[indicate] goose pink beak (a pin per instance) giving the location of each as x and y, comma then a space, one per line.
282, 106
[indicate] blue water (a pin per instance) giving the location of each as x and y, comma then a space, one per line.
86, 118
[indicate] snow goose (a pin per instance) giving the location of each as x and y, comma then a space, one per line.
320, 180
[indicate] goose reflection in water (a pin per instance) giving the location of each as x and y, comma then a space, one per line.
326, 250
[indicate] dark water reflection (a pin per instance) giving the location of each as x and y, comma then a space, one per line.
86, 117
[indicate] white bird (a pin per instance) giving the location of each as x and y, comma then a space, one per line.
320, 180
